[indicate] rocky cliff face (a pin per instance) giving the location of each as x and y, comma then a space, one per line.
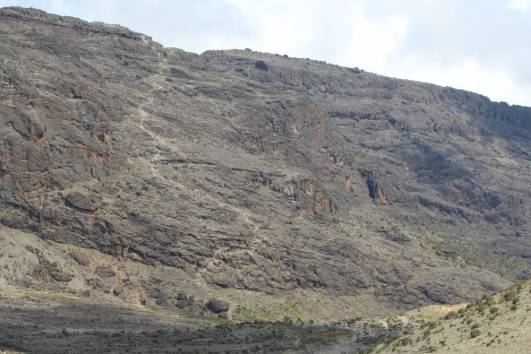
259, 173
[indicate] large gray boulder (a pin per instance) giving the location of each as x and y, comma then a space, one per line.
218, 306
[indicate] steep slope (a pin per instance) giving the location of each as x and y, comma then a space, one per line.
494, 324
257, 178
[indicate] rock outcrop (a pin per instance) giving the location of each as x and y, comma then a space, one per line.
256, 172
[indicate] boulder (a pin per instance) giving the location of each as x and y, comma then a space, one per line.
105, 272
80, 258
218, 306
61, 276
183, 300
261, 65
28, 126
82, 201
3, 166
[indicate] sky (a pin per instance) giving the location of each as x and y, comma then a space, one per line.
478, 45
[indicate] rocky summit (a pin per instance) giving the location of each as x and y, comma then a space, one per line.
241, 186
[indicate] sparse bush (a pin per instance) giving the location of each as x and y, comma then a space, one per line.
475, 333
510, 295
450, 315
405, 341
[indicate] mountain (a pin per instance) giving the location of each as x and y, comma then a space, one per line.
248, 186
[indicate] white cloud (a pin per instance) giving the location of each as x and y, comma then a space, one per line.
373, 43
340, 32
279, 26
521, 5
471, 75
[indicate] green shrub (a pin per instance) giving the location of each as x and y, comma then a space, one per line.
405, 341
450, 314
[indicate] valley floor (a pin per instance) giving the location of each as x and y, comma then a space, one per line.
46, 322
39, 322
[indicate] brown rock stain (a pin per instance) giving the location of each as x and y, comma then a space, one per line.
348, 183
